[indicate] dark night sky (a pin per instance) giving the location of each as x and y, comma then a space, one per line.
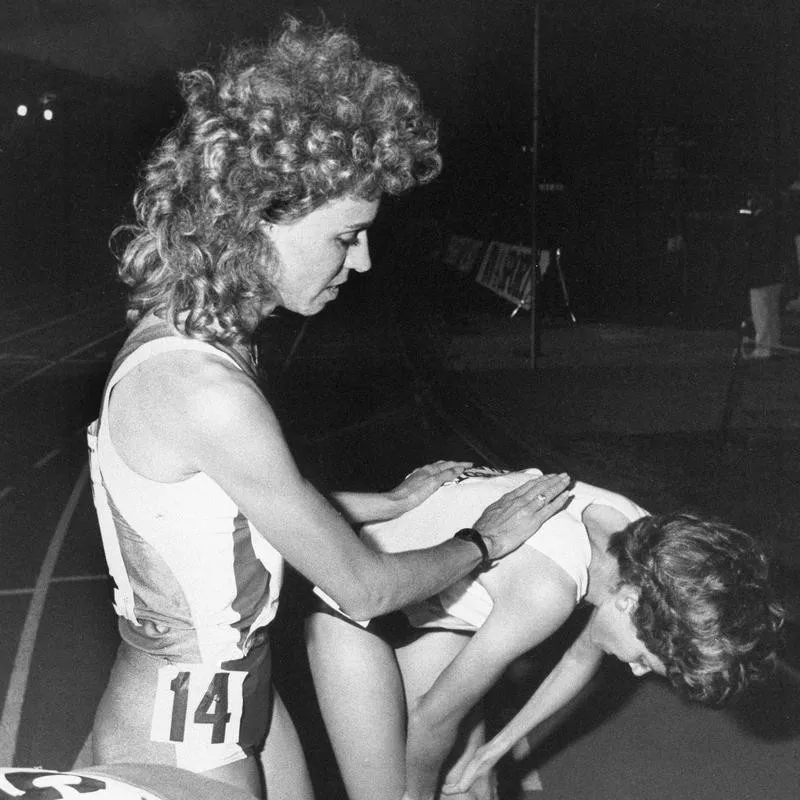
473, 57
719, 82
722, 70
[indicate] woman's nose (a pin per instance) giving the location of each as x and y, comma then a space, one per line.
358, 257
639, 669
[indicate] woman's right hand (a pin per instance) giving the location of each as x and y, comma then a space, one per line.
517, 515
477, 772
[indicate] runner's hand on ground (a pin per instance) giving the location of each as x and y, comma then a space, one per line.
478, 767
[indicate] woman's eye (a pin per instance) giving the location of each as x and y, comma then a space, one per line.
349, 241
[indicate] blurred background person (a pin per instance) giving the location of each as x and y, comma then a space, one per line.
766, 262
793, 218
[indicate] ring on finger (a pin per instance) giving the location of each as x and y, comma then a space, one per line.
542, 499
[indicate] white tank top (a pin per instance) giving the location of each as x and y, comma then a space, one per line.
193, 577
458, 504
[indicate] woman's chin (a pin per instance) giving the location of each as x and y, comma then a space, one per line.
322, 300
315, 304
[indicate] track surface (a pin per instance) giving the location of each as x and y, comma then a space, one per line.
361, 407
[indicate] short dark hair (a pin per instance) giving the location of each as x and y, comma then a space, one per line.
276, 132
706, 607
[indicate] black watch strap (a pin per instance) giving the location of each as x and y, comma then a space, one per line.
471, 535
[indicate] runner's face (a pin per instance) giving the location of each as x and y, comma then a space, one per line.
316, 253
612, 629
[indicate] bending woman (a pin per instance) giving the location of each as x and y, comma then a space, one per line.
261, 197
681, 596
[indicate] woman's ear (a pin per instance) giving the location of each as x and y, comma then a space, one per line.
627, 598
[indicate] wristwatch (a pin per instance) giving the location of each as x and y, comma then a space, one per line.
471, 535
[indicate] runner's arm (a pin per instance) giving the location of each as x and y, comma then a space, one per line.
225, 428
536, 598
564, 683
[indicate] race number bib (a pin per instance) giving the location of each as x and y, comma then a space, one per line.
197, 704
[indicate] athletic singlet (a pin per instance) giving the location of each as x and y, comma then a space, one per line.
458, 504
194, 579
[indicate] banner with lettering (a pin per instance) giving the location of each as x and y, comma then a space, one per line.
506, 270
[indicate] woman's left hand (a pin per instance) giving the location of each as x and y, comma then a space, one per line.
423, 482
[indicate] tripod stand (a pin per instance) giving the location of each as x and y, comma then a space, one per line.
542, 268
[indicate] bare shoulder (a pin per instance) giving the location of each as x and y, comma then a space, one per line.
528, 579
170, 404
532, 598
180, 383
215, 392
603, 519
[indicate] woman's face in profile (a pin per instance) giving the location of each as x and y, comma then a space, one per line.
315, 253
612, 629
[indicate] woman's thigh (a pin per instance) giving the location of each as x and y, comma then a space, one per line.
421, 662
424, 658
360, 694
129, 711
283, 761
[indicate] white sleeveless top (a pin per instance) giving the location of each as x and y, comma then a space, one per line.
458, 504
193, 577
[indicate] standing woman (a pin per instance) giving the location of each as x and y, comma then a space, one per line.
768, 253
261, 197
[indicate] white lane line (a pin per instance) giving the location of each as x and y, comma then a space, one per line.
47, 458
50, 323
63, 579
23, 358
17, 685
60, 360
43, 300
531, 782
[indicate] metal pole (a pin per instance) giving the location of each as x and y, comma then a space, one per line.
777, 176
534, 185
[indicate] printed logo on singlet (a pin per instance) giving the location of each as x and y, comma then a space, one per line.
479, 472
39, 784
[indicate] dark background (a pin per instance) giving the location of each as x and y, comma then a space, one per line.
654, 116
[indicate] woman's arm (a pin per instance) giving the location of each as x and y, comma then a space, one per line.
568, 678
216, 421
361, 507
534, 599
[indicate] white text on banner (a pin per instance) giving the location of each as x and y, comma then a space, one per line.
506, 270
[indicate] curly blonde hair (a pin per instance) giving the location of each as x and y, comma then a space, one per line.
706, 607
278, 131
